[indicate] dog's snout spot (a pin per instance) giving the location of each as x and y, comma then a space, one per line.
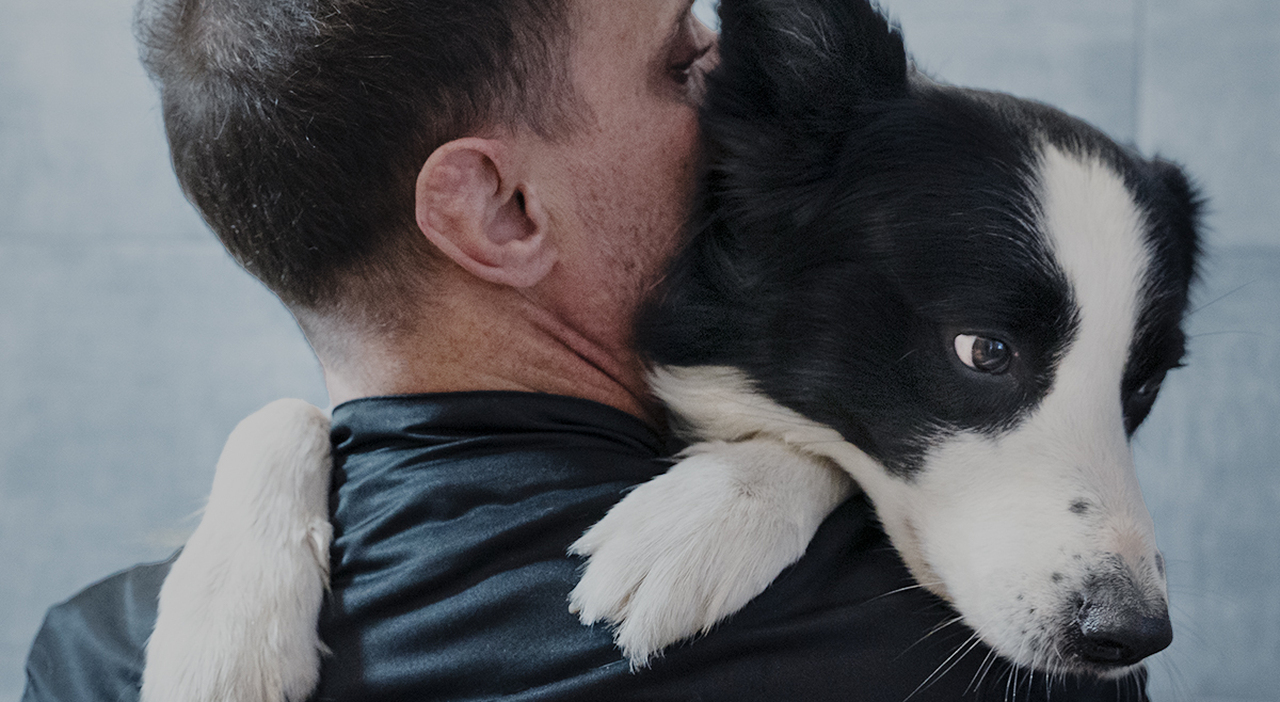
1056, 577
1160, 564
1080, 507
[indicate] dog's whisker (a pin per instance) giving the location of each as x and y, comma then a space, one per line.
1052, 671
1031, 673
975, 683
1175, 674
1220, 298
942, 626
1238, 332
906, 355
931, 632
916, 586
1018, 670
948, 663
1059, 669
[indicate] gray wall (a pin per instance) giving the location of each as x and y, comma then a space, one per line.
130, 345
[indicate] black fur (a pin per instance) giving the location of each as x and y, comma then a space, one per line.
856, 218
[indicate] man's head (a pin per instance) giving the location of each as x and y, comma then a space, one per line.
297, 126
348, 151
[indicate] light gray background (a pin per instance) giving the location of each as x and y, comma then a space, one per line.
130, 344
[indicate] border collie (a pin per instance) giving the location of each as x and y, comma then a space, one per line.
963, 301
959, 302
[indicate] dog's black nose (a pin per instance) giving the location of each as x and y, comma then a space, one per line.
1118, 627
1121, 641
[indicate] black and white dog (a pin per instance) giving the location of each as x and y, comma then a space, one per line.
964, 301
959, 302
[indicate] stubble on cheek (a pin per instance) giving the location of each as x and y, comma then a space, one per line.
636, 209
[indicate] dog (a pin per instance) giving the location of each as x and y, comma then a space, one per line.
959, 302
963, 301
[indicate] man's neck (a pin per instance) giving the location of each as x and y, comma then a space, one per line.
482, 337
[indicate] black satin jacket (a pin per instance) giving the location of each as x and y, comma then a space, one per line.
452, 515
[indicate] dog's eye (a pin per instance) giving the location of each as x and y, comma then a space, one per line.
1138, 404
983, 354
1151, 388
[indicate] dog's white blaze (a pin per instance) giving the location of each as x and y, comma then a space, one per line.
994, 515
1098, 235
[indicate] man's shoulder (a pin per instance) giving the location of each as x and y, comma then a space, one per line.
92, 647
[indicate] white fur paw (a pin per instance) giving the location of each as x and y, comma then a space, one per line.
694, 545
239, 609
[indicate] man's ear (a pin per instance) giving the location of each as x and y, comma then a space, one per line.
472, 204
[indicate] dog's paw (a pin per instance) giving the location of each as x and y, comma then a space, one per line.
238, 611
694, 545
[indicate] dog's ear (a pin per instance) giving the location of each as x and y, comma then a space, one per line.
796, 81
808, 62
1178, 205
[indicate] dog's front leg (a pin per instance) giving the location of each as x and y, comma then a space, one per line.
239, 609
694, 545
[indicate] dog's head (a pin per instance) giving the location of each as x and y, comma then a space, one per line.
980, 293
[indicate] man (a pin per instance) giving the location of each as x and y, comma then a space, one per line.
464, 202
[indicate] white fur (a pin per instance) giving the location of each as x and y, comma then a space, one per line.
689, 548
238, 611
694, 545
986, 523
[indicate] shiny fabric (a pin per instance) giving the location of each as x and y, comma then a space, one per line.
452, 514
92, 647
